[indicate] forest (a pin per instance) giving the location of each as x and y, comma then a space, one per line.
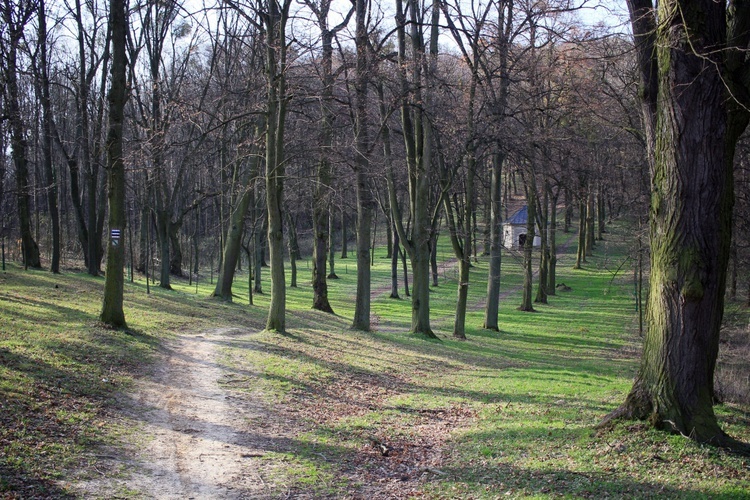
250, 149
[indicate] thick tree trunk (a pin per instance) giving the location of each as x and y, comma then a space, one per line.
112, 307
175, 254
690, 222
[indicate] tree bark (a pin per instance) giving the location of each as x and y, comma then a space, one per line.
496, 231
49, 172
331, 250
691, 211
581, 249
362, 165
276, 66
112, 307
323, 190
394, 263
528, 248
291, 239
541, 290
15, 22
552, 244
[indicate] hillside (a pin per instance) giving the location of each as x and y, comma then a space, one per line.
196, 399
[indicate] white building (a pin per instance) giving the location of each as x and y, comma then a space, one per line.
514, 230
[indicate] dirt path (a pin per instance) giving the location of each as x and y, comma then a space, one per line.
193, 439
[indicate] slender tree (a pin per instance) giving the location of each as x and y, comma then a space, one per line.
323, 191
275, 15
365, 201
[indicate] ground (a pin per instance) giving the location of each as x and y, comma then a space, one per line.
196, 438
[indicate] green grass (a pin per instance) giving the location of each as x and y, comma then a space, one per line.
503, 413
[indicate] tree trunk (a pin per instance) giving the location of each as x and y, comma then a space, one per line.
541, 291
175, 254
496, 231
600, 215
49, 173
362, 165
691, 213
406, 273
433, 258
344, 233
581, 250
552, 243
276, 66
291, 249
162, 232
331, 250
590, 235
568, 211
232, 247
733, 274
323, 191
15, 22
528, 248
394, 263
112, 307
145, 213
92, 180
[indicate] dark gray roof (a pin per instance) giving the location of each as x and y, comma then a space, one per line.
521, 217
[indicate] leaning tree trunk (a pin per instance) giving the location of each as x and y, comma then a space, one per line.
690, 220
232, 247
112, 308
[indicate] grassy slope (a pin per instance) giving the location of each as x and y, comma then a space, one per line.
509, 412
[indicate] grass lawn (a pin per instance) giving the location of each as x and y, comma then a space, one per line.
507, 413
